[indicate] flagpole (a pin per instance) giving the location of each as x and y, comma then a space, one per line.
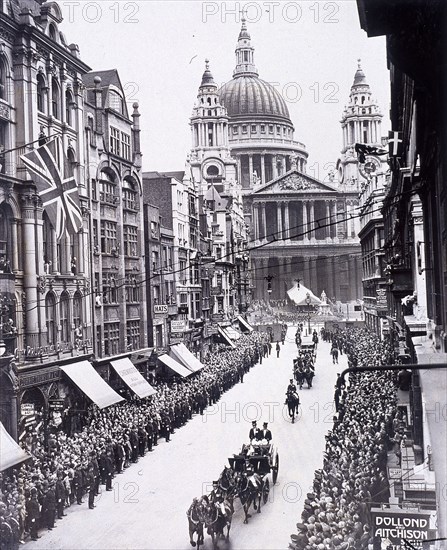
30, 143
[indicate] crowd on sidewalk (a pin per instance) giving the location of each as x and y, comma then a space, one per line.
68, 469
336, 514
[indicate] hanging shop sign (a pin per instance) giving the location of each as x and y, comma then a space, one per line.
398, 527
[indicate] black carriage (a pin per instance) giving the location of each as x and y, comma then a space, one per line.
264, 459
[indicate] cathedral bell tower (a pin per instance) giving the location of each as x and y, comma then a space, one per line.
210, 160
361, 123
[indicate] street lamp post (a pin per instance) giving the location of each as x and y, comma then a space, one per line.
308, 301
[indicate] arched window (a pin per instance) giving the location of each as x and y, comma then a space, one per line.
48, 244
5, 244
50, 313
55, 98
69, 104
41, 88
116, 102
3, 83
107, 188
65, 317
52, 33
129, 194
77, 310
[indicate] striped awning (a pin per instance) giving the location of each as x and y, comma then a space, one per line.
132, 377
91, 384
175, 366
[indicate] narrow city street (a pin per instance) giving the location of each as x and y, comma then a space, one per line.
147, 508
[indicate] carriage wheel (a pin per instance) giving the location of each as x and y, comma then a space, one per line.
275, 469
265, 490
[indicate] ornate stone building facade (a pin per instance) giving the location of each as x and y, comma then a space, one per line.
44, 272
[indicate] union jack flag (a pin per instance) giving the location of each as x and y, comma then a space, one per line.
53, 176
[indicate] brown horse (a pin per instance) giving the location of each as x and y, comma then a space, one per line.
249, 491
196, 520
218, 515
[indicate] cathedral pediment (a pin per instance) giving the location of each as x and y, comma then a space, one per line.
294, 182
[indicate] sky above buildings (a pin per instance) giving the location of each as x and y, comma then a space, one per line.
308, 50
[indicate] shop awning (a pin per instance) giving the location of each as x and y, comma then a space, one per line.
175, 366
10, 452
245, 324
132, 378
226, 337
90, 382
182, 354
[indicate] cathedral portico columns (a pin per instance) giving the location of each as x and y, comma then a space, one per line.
264, 221
305, 228
262, 168
286, 221
275, 166
328, 219
307, 273
334, 218
279, 234
312, 219
250, 169
256, 220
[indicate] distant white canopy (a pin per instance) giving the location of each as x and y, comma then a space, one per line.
299, 295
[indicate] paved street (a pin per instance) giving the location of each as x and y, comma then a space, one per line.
147, 508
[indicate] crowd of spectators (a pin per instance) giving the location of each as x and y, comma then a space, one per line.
336, 514
65, 469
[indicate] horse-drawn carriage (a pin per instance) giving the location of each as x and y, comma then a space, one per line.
245, 479
251, 468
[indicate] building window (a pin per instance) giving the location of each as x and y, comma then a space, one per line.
69, 105
77, 310
271, 128
182, 274
109, 243
125, 146
129, 195
115, 141
109, 288
244, 128
253, 128
41, 88
50, 312
262, 128
154, 230
55, 98
155, 260
156, 294
235, 130
111, 338
130, 240
133, 335
65, 317
132, 289
116, 102
278, 130
107, 189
